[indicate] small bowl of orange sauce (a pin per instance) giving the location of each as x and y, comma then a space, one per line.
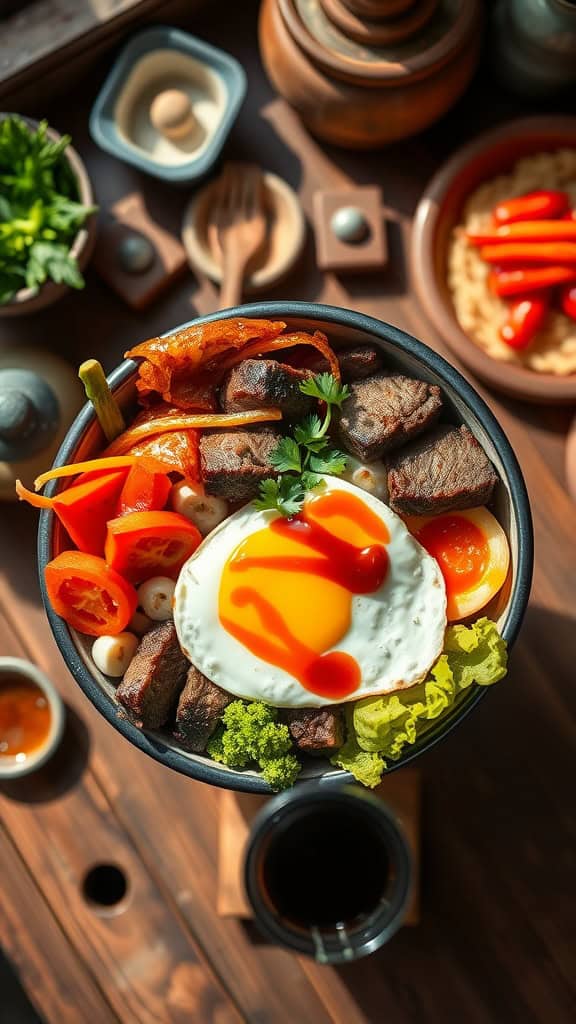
31, 718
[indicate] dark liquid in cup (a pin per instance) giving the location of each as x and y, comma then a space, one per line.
325, 868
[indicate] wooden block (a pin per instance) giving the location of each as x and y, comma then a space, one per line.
129, 217
334, 254
401, 791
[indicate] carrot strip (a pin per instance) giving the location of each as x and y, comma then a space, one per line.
37, 500
90, 466
202, 421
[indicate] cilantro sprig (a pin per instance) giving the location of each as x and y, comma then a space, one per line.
300, 460
39, 209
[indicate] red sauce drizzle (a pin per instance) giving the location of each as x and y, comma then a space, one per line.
459, 547
334, 675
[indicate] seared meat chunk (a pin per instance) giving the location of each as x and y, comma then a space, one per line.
154, 678
265, 383
233, 463
355, 363
359, 363
315, 730
200, 709
385, 411
446, 469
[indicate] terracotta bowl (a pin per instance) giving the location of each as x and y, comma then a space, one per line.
464, 405
30, 300
439, 210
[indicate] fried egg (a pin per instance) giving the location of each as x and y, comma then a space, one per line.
337, 603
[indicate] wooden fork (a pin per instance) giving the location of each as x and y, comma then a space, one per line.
238, 226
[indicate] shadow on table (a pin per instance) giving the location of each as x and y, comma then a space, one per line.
16, 1007
60, 773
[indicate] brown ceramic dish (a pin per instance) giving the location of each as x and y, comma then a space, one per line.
439, 211
330, 61
30, 300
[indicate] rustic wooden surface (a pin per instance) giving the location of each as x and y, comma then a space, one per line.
497, 937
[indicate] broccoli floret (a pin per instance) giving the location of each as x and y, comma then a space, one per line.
215, 746
273, 741
250, 733
281, 772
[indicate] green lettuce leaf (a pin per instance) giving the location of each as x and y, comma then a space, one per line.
366, 767
381, 727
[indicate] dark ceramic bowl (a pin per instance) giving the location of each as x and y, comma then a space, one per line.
402, 352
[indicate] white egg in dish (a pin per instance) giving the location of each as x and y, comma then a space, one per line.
336, 604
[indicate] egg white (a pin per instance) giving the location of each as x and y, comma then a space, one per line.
396, 634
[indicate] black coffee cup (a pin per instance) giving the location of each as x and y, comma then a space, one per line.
327, 871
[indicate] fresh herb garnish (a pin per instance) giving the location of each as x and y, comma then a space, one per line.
39, 211
301, 458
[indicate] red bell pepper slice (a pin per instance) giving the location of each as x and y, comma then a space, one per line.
523, 281
524, 253
545, 204
145, 544
525, 318
83, 509
563, 230
143, 491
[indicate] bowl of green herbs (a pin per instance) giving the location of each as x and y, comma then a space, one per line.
47, 223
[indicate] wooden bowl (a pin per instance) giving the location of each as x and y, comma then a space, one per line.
439, 210
283, 245
402, 353
31, 300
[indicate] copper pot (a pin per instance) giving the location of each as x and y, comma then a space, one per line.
328, 60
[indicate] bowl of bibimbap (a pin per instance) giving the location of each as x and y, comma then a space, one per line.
285, 542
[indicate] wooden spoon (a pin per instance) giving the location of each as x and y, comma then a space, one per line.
238, 225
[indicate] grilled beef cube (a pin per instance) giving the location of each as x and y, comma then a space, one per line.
315, 730
359, 363
233, 463
200, 709
265, 383
384, 412
355, 363
444, 470
154, 678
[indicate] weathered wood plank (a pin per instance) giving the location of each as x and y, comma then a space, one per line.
56, 977
140, 953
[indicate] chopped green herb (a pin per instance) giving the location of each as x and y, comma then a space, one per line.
308, 454
39, 211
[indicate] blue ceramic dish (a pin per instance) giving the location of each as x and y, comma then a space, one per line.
226, 74
402, 352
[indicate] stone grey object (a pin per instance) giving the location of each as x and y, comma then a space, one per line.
29, 414
104, 129
534, 46
350, 224
136, 254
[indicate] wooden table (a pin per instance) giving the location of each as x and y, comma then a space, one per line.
498, 933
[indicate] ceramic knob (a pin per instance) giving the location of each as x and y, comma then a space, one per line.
172, 115
349, 224
29, 414
136, 254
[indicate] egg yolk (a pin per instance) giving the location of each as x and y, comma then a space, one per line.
286, 591
459, 547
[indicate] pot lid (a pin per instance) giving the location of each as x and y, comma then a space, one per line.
29, 414
371, 42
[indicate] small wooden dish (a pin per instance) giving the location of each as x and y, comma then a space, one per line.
439, 210
286, 234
